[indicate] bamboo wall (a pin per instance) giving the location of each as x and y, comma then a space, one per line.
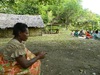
7, 33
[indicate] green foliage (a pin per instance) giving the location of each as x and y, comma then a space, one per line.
70, 11
64, 12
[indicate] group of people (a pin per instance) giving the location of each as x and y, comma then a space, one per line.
16, 59
86, 34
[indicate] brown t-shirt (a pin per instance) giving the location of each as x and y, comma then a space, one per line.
13, 49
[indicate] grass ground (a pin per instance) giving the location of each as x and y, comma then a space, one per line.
66, 55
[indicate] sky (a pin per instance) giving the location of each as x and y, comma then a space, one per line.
93, 5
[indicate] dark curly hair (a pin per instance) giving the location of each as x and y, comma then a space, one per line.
19, 27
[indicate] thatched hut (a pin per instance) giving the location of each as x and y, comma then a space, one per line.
7, 21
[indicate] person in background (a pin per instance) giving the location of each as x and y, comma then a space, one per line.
96, 35
88, 35
76, 33
72, 33
16, 59
81, 34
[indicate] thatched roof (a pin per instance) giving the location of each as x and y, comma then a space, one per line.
8, 20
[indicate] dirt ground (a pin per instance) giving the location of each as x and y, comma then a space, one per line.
66, 55
69, 57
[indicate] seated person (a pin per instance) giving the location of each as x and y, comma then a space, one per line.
88, 35
72, 33
16, 59
76, 33
96, 35
81, 34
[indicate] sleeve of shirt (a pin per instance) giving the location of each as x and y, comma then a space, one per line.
18, 50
